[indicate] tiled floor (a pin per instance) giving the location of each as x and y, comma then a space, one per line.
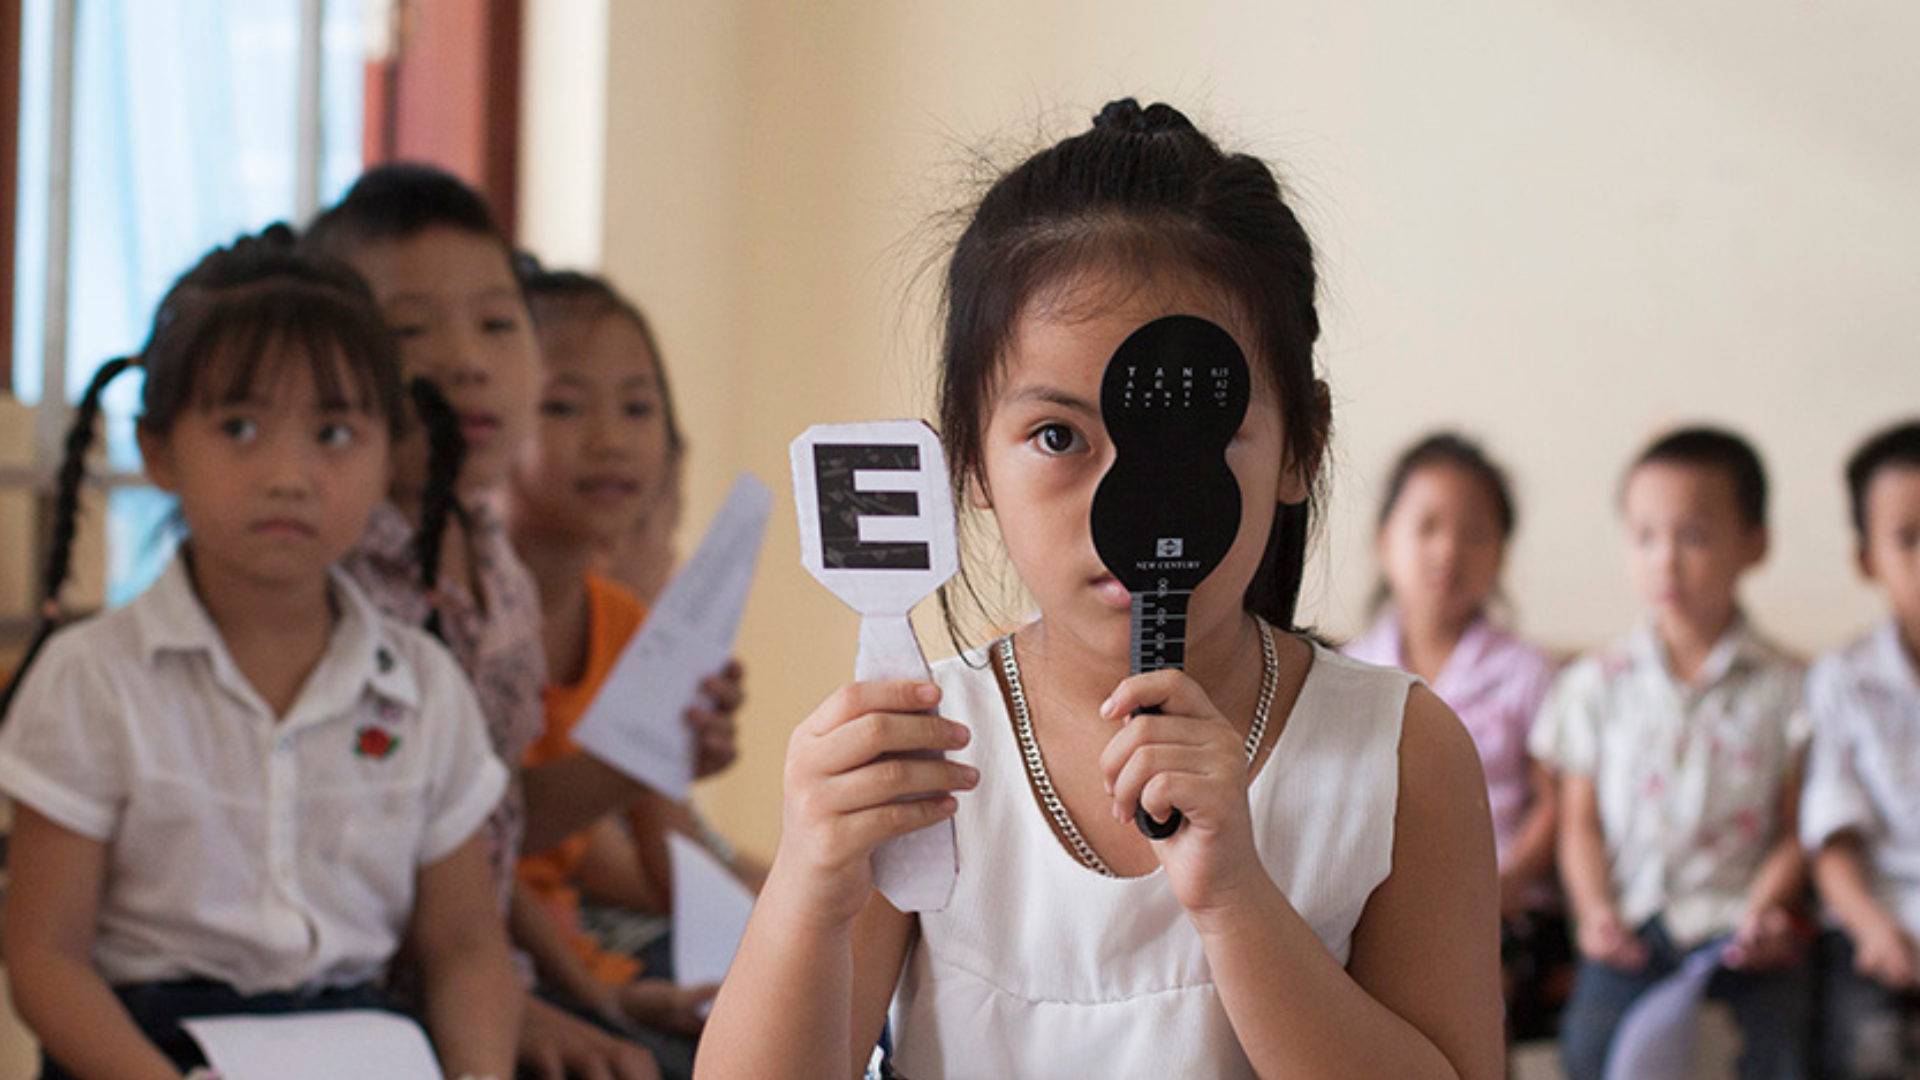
1535, 1061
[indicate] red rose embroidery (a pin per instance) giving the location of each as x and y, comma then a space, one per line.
376, 743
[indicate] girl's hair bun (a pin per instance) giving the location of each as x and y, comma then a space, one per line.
1126, 117
277, 235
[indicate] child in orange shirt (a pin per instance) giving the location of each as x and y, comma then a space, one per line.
603, 456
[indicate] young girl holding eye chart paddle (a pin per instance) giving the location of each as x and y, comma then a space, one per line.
1328, 907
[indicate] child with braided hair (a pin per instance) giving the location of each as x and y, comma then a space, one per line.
444, 278
248, 791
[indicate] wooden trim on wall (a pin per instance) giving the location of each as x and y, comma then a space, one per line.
448, 94
9, 178
505, 30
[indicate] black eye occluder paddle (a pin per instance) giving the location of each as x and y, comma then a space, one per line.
1168, 509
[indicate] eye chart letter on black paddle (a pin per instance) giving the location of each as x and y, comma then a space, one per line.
877, 529
1167, 511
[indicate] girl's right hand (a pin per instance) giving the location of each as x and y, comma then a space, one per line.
847, 791
662, 1005
1884, 953
1604, 939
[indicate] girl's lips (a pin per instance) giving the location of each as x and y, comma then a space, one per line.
478, 426
1108, 589
607, 489
284, 527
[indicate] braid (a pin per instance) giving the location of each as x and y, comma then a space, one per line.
446, 452
66, 515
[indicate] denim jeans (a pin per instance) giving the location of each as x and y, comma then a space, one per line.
1866, 1030
158, 1008
1773, 1010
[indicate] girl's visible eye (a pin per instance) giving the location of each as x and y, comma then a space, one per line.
638, 410
499, 324
558, 409
1057, 439
239, 428
336, 435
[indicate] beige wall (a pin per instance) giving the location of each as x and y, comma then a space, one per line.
1559, 226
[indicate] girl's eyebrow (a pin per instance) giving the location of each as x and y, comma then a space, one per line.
1049, 395
643, 382
422, 296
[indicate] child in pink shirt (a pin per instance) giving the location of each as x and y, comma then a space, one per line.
1440, 540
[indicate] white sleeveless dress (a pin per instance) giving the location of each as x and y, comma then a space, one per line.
1041, 967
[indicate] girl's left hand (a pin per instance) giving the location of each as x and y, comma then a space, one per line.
712, 720
1764, 939
663, 1006
1186, 756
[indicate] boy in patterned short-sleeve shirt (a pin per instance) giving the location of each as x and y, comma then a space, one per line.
1678, 752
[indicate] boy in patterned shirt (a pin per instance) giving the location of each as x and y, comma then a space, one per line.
1678, 751
1860, 812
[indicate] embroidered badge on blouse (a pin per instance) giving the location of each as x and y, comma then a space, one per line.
375, 742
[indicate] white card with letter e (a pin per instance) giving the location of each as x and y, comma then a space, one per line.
877, 529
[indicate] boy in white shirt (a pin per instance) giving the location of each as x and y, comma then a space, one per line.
1860, 813
1678, 754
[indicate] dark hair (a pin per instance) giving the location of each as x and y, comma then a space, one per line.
1145, 189
1897, 447
399, 200
439, 504
1450, 449
212, 335
569, 296
1719, 449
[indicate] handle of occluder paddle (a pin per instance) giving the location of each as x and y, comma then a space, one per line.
1145, 822
915, 872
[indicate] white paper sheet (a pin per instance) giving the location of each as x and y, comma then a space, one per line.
637, 721
361, 1043
710, 911
899, 496
1655, 1039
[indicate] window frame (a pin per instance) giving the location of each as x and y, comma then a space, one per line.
54, 411
446, 91
11, 15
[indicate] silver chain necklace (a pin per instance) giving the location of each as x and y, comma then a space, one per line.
1037, 766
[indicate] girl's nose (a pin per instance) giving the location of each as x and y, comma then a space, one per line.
605, 436
290, 466
456, 360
